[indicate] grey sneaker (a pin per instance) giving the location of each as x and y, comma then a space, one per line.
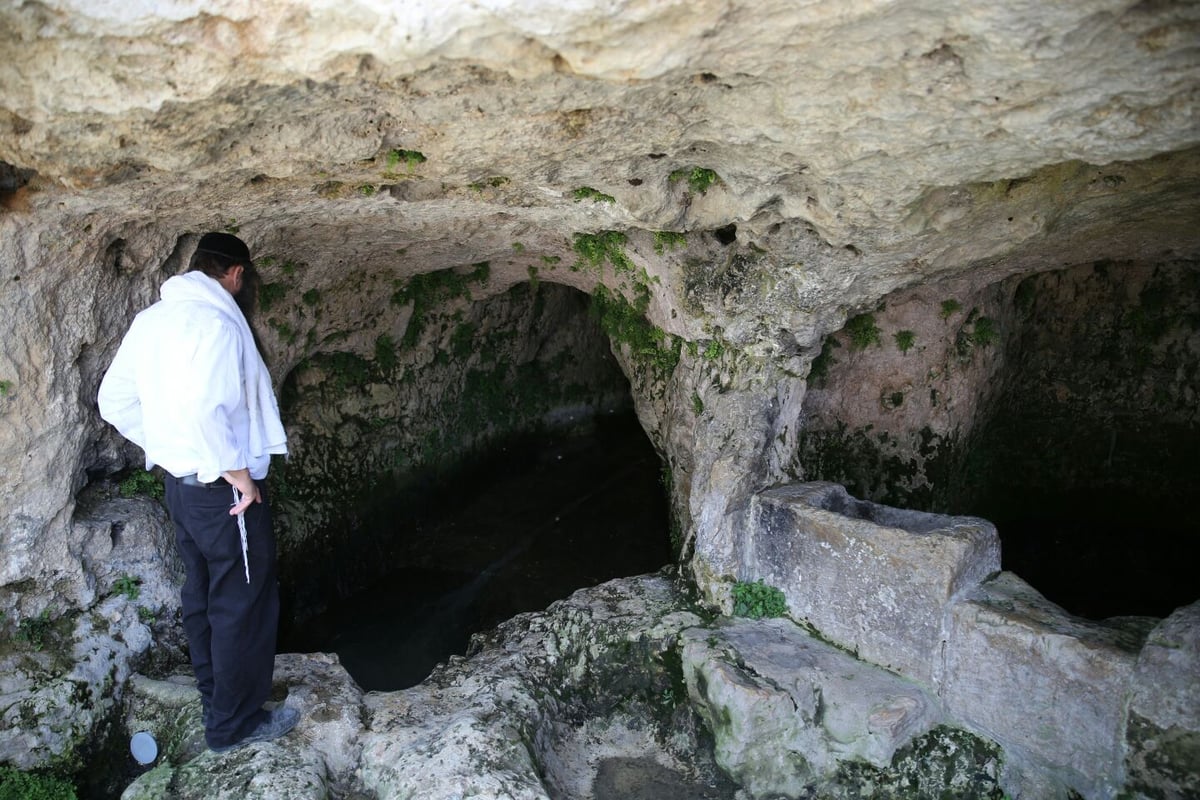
278, 722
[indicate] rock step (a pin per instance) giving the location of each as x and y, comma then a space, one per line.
787, 709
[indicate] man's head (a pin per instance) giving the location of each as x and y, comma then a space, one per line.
225, 258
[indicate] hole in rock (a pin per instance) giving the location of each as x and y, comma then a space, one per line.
13, 177
518, 473
13, 180
727, 234
1061, 406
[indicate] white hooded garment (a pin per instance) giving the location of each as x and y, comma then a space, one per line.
189, 387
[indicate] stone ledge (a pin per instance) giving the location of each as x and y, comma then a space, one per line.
1049, 687
1162, 741
792, 715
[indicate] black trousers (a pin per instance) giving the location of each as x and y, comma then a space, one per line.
230, 624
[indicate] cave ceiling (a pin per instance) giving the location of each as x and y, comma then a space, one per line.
857, 147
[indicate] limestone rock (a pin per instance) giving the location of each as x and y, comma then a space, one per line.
1049, 687
318, 757
60, 686
792, 714
1163, 736
128, 545
883, 84
871, 578
493, 725
255, 772
541, 706
55, 693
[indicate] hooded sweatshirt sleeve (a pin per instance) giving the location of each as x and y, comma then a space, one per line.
118, 398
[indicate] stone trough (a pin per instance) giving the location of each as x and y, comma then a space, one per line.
875, 579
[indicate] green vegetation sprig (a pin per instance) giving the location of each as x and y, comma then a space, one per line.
18, 785
596, 248
385, 352
429, 290
758, 600
862, 331
35, 630
128, 585
986, 331
141, 483
410, 158
588, 193
495, 182
668, 240
648, 344
699, 179
269, 294
819, 371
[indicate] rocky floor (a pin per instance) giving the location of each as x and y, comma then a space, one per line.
574, 703
620, 692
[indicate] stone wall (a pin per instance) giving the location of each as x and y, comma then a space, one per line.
897, 394
1076, 378
1105, 370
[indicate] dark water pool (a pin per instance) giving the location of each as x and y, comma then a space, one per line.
1101, 554
536, 519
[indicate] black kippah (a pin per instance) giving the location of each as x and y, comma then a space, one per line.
225, 244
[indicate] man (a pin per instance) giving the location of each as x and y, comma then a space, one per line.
189, 387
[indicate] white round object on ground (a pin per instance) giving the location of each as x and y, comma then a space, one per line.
143, 747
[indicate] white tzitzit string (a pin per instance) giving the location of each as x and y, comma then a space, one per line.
237, 498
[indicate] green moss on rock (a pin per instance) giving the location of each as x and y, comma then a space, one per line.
17, 785
1162, 763
944, 764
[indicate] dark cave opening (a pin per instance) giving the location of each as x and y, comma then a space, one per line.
1099, 553
542, 514
1086, 461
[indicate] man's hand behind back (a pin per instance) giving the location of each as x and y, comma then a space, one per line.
241, 479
